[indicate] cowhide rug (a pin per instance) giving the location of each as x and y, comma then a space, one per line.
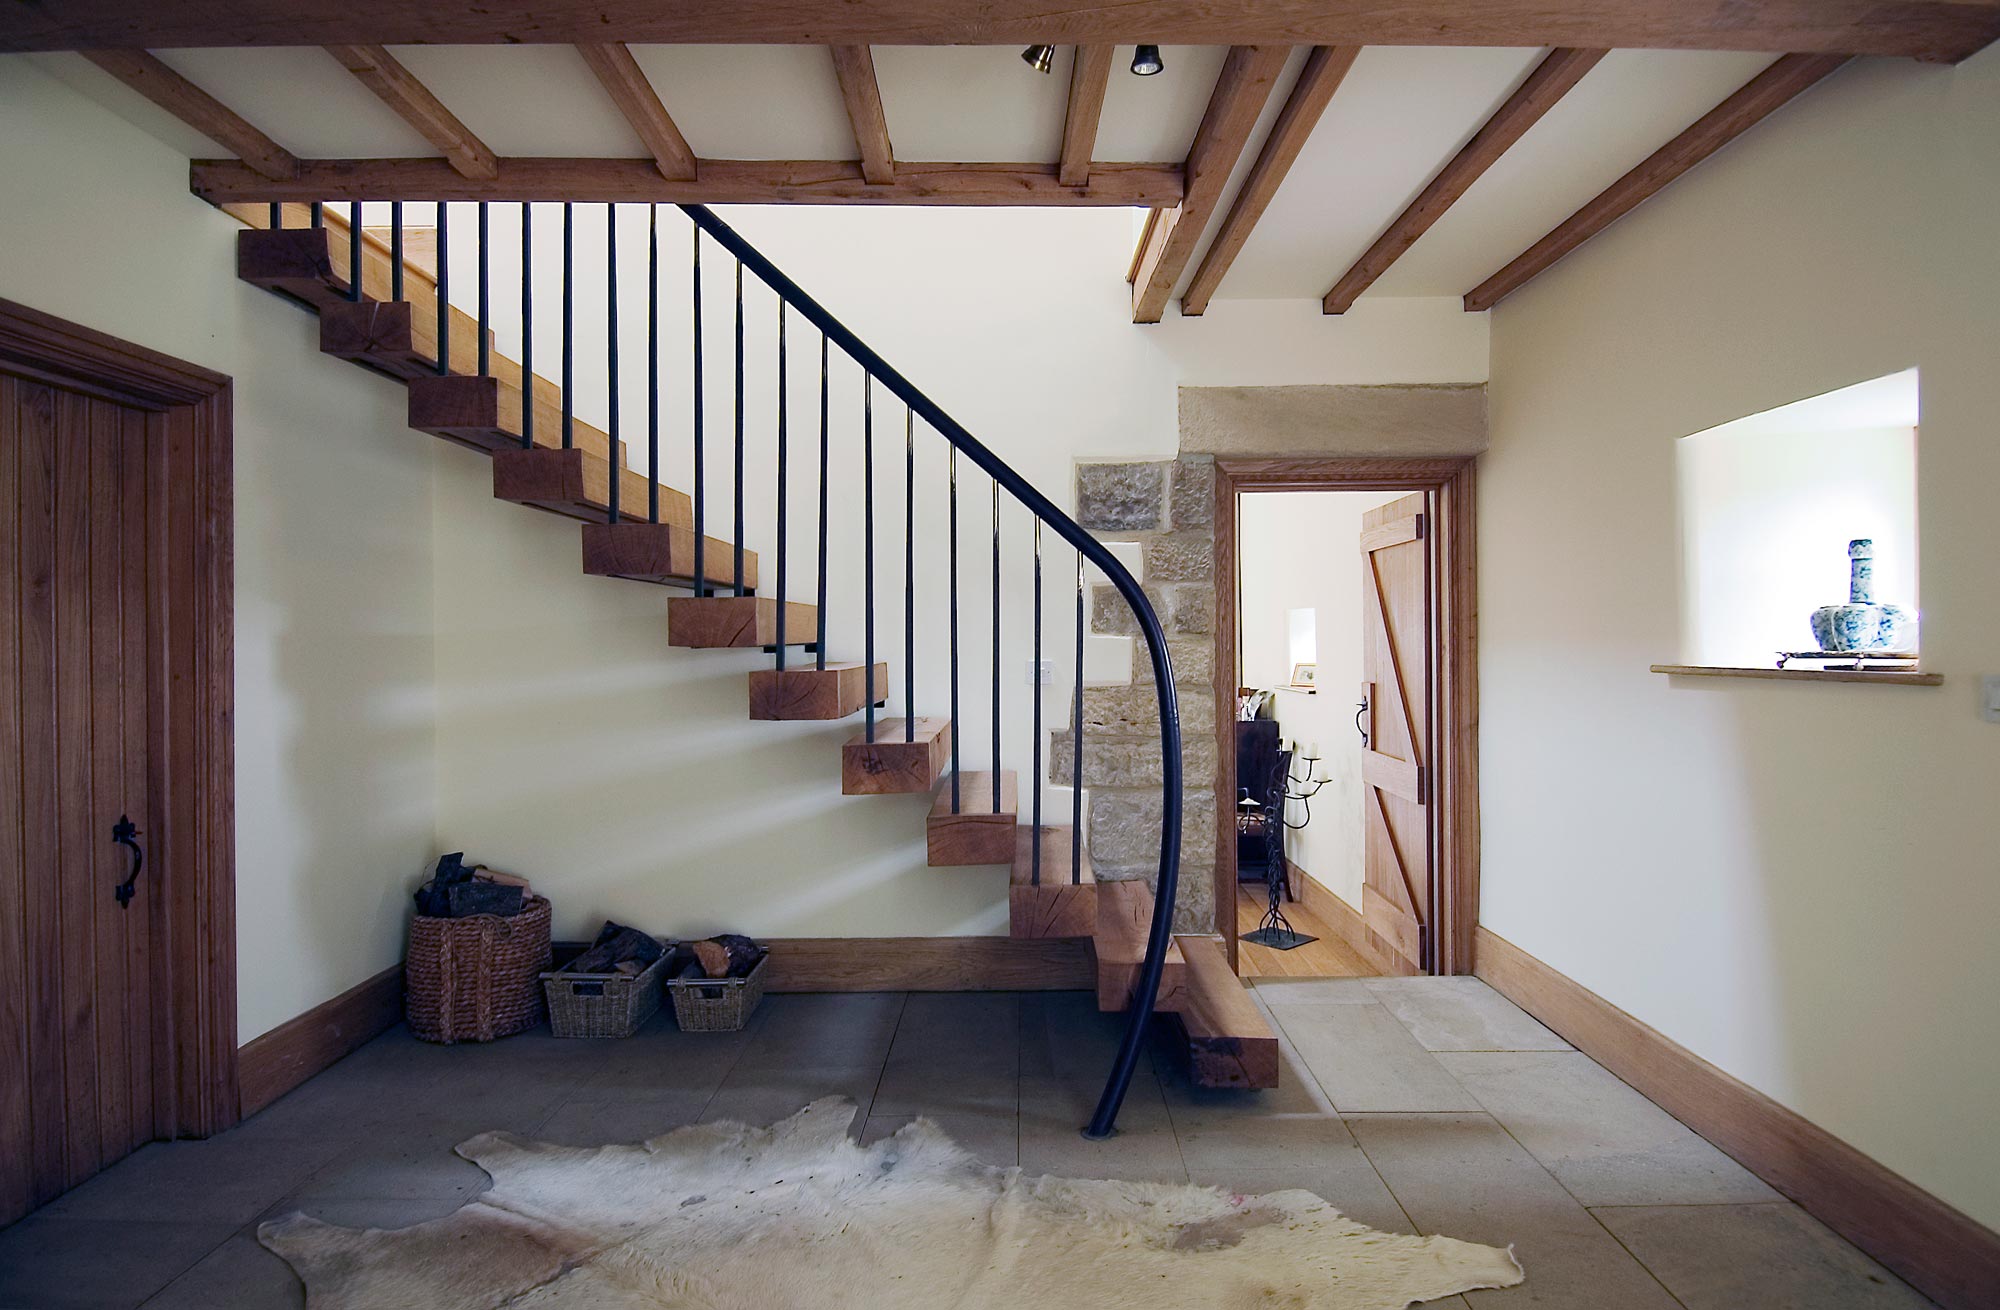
728, 1217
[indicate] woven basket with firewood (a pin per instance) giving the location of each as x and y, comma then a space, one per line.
720, 986
612, 988
477, 978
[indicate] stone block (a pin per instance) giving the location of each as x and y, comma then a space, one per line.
1125, 826
1193, 496
1130, 760
1180, 557
1121, 497
1135, 710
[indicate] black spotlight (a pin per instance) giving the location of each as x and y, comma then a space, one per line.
1039, 57
1146, 60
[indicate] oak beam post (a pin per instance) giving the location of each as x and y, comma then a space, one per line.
854, 65
1088, 76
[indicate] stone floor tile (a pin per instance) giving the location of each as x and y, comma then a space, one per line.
50, 1263
834, 1030
764, 1096
238, 1275
229, 1178
1462, 1014
992, 1137
405, 1165
363, 1211
1462, 1175
1345, 1180
1313, 991
587, 1121
1367, 1061
1606, 1143
1774, 1257
954, 1053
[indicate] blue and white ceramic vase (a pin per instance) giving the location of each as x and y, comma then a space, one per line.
1861, 624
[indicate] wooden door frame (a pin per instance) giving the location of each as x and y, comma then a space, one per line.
191, 852
1455, 820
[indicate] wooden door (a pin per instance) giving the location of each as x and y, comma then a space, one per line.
1396, 613
80, 1030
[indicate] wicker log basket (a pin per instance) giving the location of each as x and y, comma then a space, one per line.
477, 978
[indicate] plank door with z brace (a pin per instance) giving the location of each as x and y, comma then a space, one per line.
1396, 611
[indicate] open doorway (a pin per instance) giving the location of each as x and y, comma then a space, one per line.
1347, 786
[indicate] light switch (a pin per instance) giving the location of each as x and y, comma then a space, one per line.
1989, 697
1041, 674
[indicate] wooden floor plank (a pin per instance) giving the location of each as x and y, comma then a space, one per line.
1329, 957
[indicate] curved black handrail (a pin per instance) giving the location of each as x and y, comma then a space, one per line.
1160, 937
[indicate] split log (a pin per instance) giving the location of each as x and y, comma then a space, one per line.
727, 955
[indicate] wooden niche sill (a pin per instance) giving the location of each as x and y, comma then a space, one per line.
1880, 677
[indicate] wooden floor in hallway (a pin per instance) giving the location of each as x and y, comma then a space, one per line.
1329, 957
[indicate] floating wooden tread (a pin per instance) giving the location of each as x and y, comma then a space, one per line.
577, 484
735, 622
1124, 919
976, 832
904, 755
485, 413
833, 692
660, 552
1057, 906
1229, 1042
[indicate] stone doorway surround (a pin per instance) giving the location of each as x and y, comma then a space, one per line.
1167, 509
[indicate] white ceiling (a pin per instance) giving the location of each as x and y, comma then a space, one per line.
1401, 113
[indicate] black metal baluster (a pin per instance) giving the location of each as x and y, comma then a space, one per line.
318, 212
653, 364
909, 574
396, 250
354, 269
868, 548
444, 289
277, 218
996, 647
485, 299
737, 489
784, 396
953, 565
1076, 742
527, 326
611, 349
819, 632
1035, 735
568, 335
700, 434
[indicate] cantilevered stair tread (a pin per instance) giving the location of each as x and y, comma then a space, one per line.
735, 622
1057, 905
1229, 1042
808, 692
577, 484
901, 756
1124, 919
975, 831
660, 552
485, 413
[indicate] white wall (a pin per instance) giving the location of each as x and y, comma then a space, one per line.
1796, 881
1302, 550
335, 803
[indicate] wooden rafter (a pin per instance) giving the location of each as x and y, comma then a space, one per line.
1946, 30
1757, 98
1087, 78
398, 88
855, 66
629, 89
1247, 78
1154, 217
717, 182
1325, 67
1559, 71
144, 73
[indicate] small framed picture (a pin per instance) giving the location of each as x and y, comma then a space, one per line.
1305, 675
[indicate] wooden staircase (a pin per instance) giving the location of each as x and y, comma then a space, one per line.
973, 821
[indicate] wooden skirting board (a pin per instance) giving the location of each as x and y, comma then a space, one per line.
929, 964
1345, 921
275, 1063
1942, 1252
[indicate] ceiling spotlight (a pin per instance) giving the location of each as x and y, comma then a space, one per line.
1039, 57
1146, 60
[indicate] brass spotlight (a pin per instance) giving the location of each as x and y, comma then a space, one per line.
1039, 57
1146, 60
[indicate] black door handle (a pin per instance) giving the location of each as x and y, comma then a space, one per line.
123, 833
1357, 721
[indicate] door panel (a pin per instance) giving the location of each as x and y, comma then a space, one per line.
1396, 643
73, 680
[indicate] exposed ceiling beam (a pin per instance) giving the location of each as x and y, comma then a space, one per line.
1757, 98
1553, 77
629, 89
1928, 29
382, 73
1325, 67
1240, 93
201, 111
1154, 217
1087, 78
716, 182
855, 66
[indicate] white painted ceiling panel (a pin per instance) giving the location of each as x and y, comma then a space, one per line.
753, 102
86, 78
300, 98
1630, 105
525, 99
1281, 91
1399, 115
971, 103
1152, 120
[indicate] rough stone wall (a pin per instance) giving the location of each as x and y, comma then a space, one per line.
1168, 509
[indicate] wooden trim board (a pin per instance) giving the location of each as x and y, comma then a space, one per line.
1881, 677
1942, 1252
279, 1060
1344, 920
930, 964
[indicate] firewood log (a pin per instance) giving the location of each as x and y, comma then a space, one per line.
727, 955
